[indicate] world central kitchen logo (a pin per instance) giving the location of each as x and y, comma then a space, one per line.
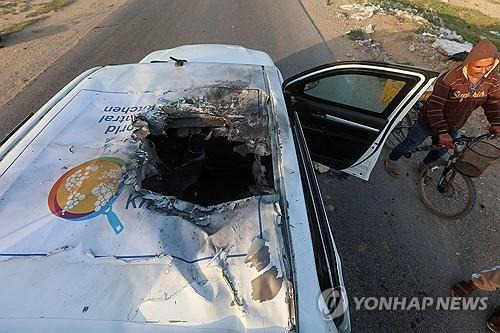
89, 190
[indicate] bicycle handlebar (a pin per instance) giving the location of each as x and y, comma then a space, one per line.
461, 140
471, 139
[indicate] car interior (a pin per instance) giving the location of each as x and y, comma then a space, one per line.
343, 114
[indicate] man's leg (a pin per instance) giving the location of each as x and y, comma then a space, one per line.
435, 155
418, 133
488, 280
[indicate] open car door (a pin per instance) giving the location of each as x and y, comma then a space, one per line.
347, 109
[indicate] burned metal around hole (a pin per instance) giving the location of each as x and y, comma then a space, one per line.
204, 147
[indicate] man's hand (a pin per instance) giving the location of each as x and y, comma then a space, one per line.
495, 129
446, 140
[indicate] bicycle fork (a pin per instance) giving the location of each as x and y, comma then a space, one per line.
446, 178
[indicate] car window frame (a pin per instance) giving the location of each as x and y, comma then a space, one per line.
387, 110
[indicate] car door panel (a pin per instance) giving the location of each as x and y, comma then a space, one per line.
339, 113
346, 109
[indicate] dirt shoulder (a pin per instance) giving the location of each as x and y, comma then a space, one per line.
487, 7
26, 54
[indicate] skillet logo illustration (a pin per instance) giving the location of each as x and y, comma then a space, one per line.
89, 190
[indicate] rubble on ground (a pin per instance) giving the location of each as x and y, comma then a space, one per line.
450, 47
365, 11
369, 29
423, 41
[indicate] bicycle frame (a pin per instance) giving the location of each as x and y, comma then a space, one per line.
446, 178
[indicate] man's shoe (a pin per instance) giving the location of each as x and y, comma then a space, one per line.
493, 321
463, 289
390, 167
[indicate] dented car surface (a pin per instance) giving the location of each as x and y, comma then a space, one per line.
178, 194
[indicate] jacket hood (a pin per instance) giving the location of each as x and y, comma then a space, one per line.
483, 49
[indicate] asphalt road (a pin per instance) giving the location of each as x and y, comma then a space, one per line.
389, 243
281, 28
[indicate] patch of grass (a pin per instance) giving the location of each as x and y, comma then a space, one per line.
16, 27
53, 5
8, 4
471, 24
422, 28
45, 8
23, 9
356, 34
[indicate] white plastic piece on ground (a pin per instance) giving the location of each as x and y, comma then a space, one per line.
369, 29
446, 33
427, 34
364, 11
449, 47
320, 167
349, 7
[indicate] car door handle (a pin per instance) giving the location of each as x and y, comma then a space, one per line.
344, 122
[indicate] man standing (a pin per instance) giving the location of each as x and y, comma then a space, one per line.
488, 280
456, 94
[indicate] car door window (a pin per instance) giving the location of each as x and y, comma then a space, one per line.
362, 91
347, 109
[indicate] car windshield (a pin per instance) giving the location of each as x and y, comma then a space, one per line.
151, 185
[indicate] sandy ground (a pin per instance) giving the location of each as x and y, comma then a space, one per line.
26, 54
487, 7
14, 11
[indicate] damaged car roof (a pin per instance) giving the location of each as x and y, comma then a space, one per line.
90, 223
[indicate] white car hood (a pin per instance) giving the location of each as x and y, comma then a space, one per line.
153, 271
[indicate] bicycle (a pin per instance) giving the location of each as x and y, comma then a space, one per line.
400, 132
444, 184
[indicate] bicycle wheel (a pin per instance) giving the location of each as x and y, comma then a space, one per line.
449, 196
400, 132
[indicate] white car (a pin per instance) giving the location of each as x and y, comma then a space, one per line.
178, 194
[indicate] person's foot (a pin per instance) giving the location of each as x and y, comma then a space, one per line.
426, 173
391, 167
493, 321
463, 289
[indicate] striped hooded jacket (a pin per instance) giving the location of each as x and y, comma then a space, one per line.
452, 100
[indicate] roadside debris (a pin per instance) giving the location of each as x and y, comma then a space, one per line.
446, 33
363, 11
369, 29
459, 56
342, 15
450, 47
426, 39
